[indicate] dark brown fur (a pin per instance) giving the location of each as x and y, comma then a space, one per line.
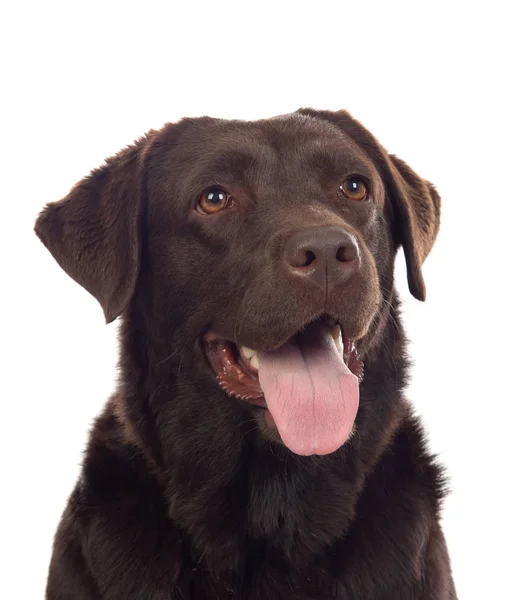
181, 496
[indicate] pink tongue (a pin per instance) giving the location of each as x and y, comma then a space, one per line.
310, 392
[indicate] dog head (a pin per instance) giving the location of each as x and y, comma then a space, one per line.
266, 248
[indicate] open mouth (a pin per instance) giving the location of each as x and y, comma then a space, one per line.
309, 385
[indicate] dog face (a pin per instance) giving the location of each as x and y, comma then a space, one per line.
261, 250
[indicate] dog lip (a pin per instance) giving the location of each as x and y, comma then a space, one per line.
233, 375
328, 320
239, 379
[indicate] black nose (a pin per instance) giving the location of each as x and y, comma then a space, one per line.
322, 256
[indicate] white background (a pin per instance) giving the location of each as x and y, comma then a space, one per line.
437, 84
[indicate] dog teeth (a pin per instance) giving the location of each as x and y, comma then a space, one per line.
248, 352
338, 339
254, 362
251, 356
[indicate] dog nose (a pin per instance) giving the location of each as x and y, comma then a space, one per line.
322, 256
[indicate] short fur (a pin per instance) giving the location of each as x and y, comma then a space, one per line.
182, 495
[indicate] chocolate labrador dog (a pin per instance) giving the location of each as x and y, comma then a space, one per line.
246, 452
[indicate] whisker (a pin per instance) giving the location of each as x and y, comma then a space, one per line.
247, 432
180, 362
245, 422
392, 308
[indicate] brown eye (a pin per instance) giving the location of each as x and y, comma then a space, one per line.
213, 201
354, 188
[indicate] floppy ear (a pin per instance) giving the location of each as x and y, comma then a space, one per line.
415, 202
94, 233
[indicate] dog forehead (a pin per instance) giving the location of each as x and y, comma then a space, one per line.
207, 149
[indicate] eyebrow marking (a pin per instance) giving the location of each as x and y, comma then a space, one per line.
334, 163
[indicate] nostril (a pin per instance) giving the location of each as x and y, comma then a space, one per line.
345, 254
310, 257
299, 258
325, 257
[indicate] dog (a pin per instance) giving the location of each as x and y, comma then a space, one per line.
258, 445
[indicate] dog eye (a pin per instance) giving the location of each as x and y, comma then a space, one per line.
354, 188
213, 201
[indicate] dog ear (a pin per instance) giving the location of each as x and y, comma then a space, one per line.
415, 202
94, 233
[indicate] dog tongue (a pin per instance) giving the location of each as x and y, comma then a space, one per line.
310, 392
